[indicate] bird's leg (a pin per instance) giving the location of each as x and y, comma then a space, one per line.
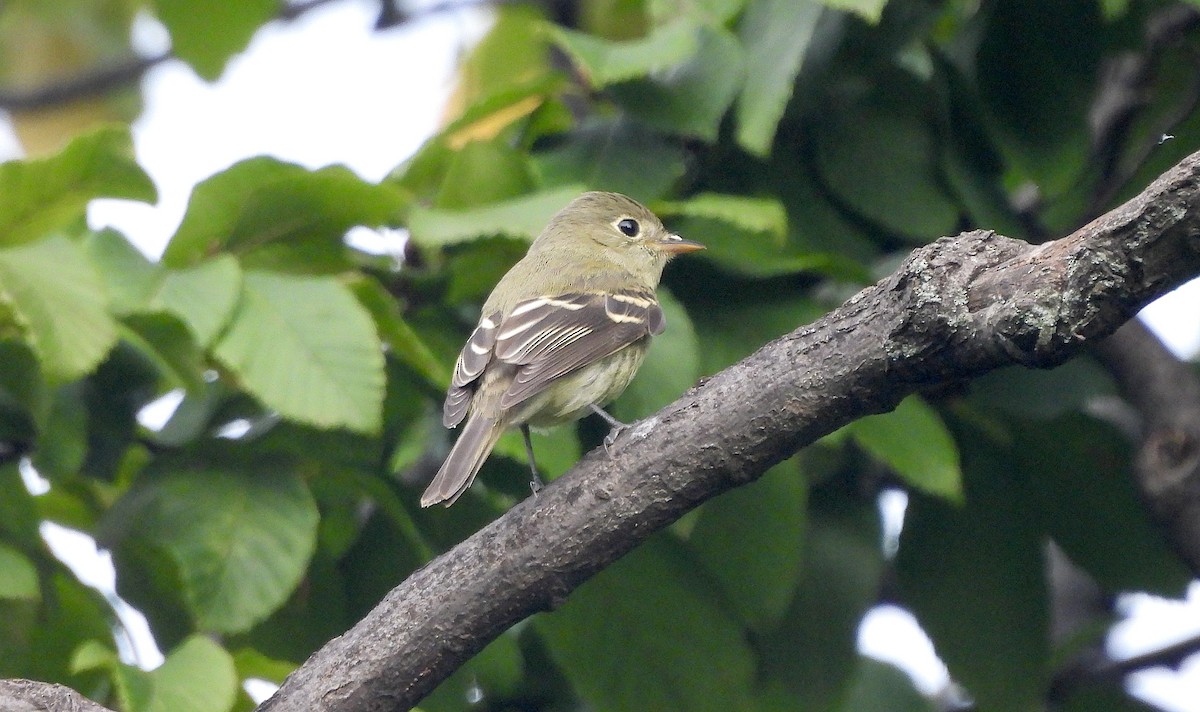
617, 427
535, 484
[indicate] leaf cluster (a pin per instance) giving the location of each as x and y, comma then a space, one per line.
808, 144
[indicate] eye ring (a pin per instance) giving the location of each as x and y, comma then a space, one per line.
629, 227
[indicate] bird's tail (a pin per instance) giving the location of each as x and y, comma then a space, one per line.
462, 464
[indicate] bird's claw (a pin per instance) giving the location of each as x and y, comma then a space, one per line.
610, 440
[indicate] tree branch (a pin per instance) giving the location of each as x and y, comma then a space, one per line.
1166, 393
105, 79
1100, 668
33, 696
955, 309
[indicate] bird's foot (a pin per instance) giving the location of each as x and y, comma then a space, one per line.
617, 428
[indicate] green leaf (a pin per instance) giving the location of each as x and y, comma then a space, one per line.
1108, 695
239, 535
252, 663
1042, 394
1077, 464
405, 343
819, 225
484, 172
879, 154
913, 441
496, 672
62, 442
197, 676
1114, 9
114, 394
314, 614
40, 196
475, 268
522, 217
671, 367
881, 686
1038, 99
71, 614
19, 515
753, 214
692, 98
740, 317
207, 33
513, 52
808, 660
61, 303
493, 119
742, 252
603, 62
646, 634
775, 35
166, 341
556, 451
710, 12
743, 234
757, 566
18, 577
974, 576
869, 10
280, 214
203, 295
307, 348
617, 155
129, 277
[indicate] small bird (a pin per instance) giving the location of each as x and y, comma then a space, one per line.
561, 335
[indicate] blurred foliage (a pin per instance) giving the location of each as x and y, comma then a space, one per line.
810, 144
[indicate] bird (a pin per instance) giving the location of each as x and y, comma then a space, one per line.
562, 333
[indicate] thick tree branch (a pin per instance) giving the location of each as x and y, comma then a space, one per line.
32, 696
955, 309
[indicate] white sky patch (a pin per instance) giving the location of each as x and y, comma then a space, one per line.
94, 568
155, 414
323, 89
1175, 318
891, 634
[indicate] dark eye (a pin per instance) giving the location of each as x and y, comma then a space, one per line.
629, 227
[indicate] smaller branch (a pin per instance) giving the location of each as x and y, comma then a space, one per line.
1123, 94
103, 80
95, 83
1171, 656
1100, 669
1166, 393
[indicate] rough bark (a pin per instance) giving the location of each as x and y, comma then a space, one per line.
32, 696
955, 309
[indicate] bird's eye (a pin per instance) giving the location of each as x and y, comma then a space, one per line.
629, 227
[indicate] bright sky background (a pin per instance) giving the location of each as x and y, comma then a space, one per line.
329, 89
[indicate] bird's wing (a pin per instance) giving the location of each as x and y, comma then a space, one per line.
474, 357
548, 337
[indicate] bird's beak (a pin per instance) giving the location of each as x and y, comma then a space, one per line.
674, 245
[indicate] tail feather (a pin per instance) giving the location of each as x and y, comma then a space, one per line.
462, 464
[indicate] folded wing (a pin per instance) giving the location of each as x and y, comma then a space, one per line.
549, 337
